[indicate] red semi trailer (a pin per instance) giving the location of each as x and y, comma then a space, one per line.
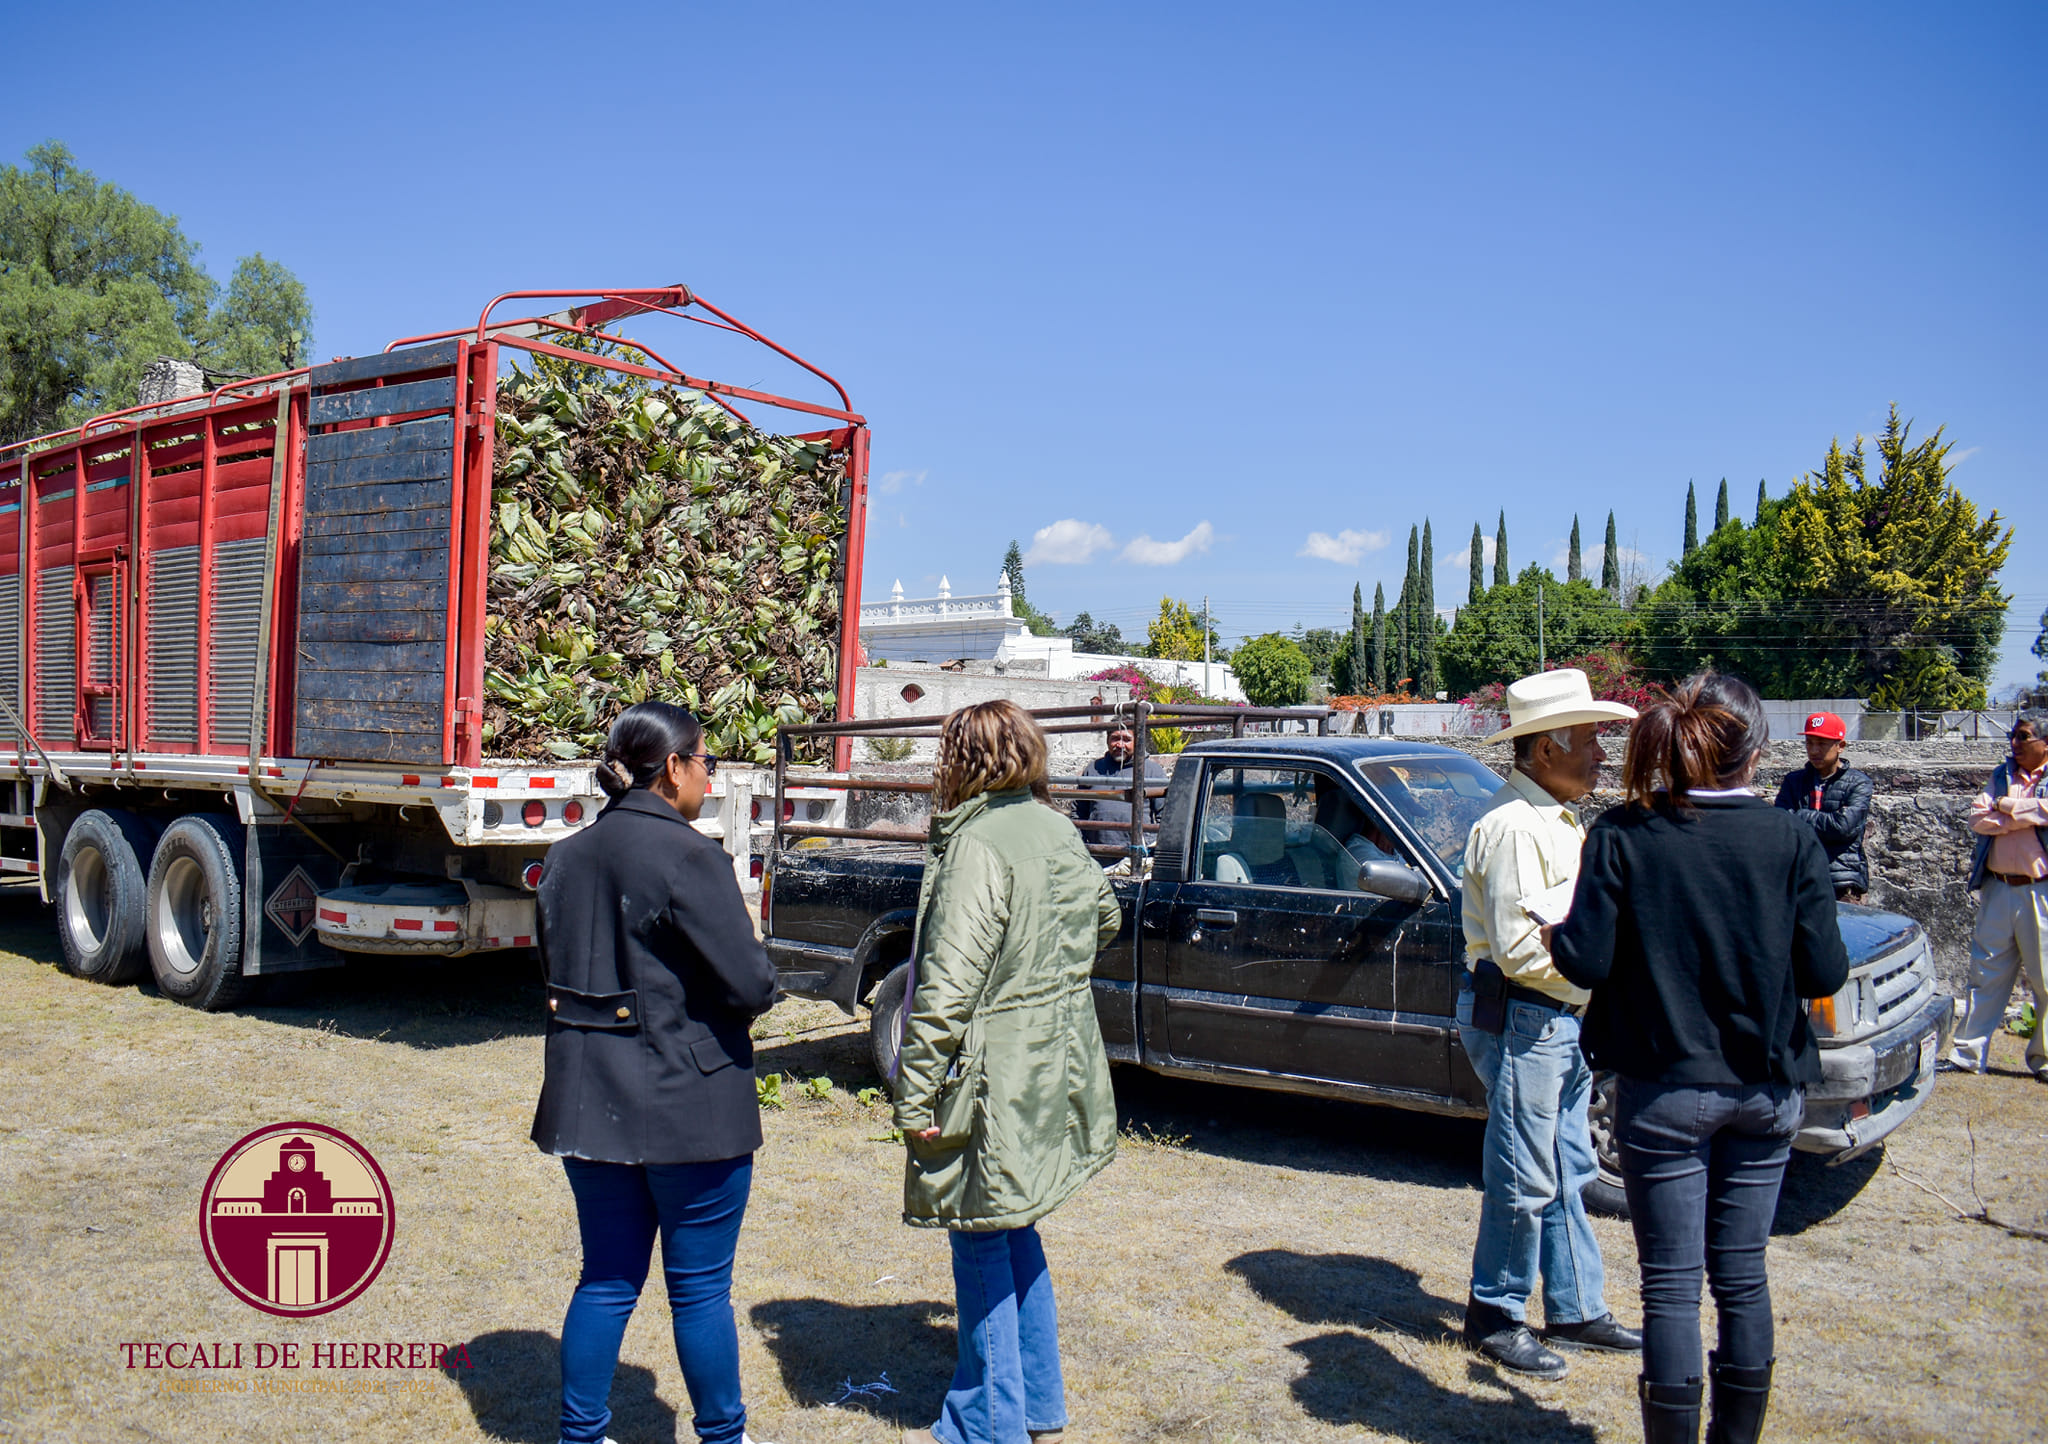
242, 660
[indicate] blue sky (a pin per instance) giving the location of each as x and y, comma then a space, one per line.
1199, 282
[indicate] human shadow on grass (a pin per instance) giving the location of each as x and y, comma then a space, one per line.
1815, 1190
513, 1385
891, 1361
1318, 1135
827, 1050
1355, 1379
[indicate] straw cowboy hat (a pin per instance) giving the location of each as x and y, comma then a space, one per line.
1550, 700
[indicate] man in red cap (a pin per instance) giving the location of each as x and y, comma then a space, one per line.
1835, 801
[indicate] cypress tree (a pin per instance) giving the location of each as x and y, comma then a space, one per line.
1425, 619
1760, 496
1610, 564
1356, 666
1501, 576
1379, 639
1478, 586
1721, 506
1411, 597
1572, 571
1692, 523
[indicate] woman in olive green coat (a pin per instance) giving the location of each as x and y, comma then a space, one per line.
1002, 1087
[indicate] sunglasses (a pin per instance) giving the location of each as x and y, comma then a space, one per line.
710, 762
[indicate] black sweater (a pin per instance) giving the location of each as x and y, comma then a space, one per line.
1699, 932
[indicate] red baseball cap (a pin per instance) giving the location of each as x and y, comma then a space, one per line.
1828, 725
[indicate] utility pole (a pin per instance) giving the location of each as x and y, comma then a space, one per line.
1205, 647
1539, 626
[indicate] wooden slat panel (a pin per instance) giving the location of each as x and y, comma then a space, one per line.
436, 395
340, 714
342, 525
317, 597
369, 625
401, 466
422, 656
318, 685
381, 569
376, 541
389, 363
378, 497
311, 741
434, 435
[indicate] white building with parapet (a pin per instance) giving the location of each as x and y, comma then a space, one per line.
932, 631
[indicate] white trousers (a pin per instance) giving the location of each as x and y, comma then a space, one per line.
2011, 934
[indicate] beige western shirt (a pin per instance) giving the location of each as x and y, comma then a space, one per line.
1524, 842
2015, 850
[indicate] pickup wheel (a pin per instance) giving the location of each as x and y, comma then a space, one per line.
99, 892
1605, 1194
885, 1023
195, 912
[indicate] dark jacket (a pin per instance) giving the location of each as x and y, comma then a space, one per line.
654, 973
1699, 932
1838, 822
1997, 787
1116, 775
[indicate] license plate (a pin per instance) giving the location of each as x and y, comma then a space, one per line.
1927, 1053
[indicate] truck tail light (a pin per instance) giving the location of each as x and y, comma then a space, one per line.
530, 875
1821, 1013
572, 813
493, 814
755, 811
534, 813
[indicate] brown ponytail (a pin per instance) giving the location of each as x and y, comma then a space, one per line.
1701, 734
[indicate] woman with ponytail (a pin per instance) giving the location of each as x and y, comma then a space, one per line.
654, 974
1702, 920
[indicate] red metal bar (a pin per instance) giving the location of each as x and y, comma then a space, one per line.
677, 378
81, 614
202, 731
849, 602
284, 629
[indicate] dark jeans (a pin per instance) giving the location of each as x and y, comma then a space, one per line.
1702, 1167
696, 1208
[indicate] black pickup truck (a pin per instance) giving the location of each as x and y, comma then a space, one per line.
1298, 928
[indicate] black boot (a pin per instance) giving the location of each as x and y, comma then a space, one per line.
1671, 1412
1740, 1398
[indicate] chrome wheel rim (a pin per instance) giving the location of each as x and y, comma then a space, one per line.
183, 917
87, 905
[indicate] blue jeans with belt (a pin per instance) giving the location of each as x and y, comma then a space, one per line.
620, 1207
1007, 1384
1703, 1166
1537, 1157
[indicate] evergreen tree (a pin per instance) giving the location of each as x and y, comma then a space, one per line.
1013, 568
1692, 523
1411, 598
1478, 586
2041, 646
1379, 639
1351, 667
1572, 569
1721, 506
1426, 681
1761, 497
1610, 564
1501, 576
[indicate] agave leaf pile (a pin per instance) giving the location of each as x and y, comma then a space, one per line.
646, 543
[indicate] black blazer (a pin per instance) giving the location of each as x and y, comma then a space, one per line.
654, 973
1699, 932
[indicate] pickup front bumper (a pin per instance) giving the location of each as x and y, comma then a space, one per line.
1869, 1088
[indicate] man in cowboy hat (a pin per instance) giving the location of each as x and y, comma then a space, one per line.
1834, 800
1519, 1022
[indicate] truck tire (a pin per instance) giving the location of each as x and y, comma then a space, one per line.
195, 912
100, 891
1605, 1194
885, 1023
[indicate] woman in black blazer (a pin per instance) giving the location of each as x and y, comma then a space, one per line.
654, 974
1702, 919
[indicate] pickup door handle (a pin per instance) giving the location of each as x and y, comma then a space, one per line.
1216, 917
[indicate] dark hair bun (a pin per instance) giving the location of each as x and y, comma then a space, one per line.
641, 742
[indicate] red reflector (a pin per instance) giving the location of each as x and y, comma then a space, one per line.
540, 782
757, 809
483, 782
531, 876
329, 915
534, 813
446, 925
572, 812
756, 867
410, 925
409, 780
451, 782
522, 941
788, 811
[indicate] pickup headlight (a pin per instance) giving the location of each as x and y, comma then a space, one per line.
1838, 1013
1821, 1013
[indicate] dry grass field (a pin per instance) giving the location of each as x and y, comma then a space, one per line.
1252, 1268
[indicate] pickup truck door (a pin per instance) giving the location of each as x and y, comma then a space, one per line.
1275, 961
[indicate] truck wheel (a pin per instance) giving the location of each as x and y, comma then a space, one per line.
100, 889
1605, 1194
195, 912
885, 1023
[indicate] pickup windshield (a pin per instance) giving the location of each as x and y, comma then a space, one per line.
1441, 797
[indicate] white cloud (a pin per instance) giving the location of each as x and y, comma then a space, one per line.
894, 481
1957, 458
1460, 558
1068, 542
1149, 553
1345, 547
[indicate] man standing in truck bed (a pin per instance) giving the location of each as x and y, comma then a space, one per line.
1834, 800
1114, 768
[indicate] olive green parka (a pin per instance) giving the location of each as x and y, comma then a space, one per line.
1001, 1049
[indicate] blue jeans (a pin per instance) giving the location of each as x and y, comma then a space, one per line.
696, 1208
1007, 1383
1537, 1156
1703, 1167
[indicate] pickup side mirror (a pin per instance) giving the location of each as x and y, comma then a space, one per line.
1396, 880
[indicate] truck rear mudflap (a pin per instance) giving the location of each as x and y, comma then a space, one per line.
1870, 1088
446, 919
